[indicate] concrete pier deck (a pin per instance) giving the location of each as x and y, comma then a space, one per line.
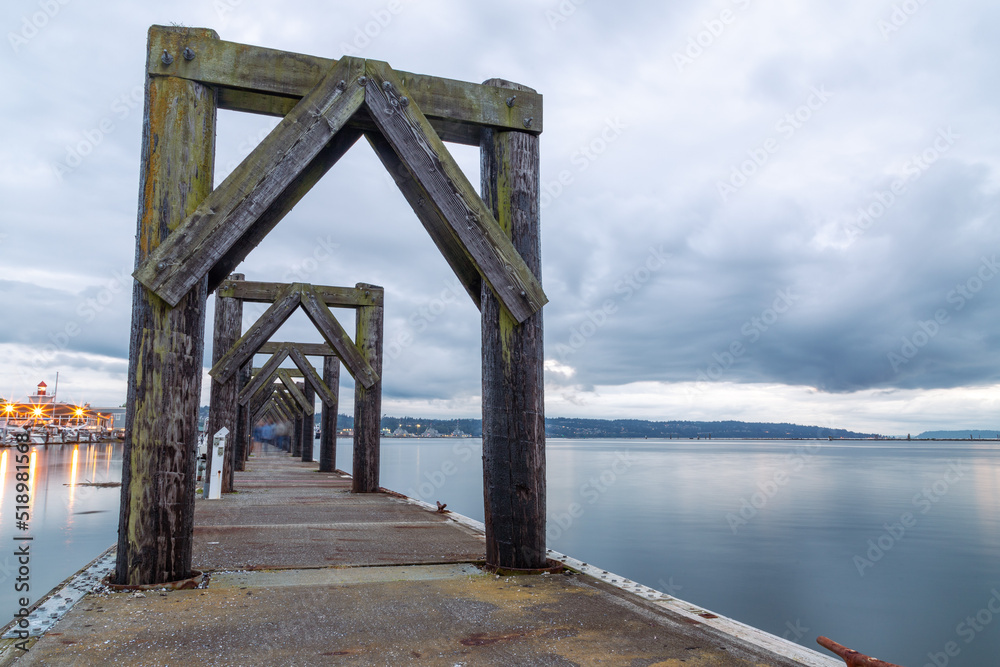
302, 572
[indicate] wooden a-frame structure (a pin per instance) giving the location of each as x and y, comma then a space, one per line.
191, 237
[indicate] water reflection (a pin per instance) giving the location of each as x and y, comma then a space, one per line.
71, 522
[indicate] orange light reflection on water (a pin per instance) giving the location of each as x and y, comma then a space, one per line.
32, 466
3, 477
72, 477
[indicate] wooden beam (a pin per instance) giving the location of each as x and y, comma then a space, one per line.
223, 397
341, 297
243, 425
290, 404
308, 349
312, 378
232, 210
283, 204
292, 386
513, 379
261, 80
430, 216
294, 372
258, 334
309, 427
265, 376
156, 520
355, 362
368, 403
328, 417
429, 162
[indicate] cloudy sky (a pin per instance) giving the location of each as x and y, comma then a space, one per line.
752, 210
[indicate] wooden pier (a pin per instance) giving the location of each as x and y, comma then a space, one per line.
300, 571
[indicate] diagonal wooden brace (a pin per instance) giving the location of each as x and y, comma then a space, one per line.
232, 209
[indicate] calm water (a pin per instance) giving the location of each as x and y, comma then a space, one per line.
71, 524
890, 548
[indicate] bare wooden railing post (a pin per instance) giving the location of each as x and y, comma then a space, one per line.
328, 417
167, 344
368, 402
223, 404
513, 389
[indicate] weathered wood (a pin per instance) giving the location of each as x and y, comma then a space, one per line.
288, 404
348, 351
368, 402
265, 326
422, 151
295, 392
232, 210
430, 216
308, 349
309, 429
328, 417
312, 378
264, 377
283, 204
296, 449
340, 297
513, 383
223, 403
294, 372
294, 295
269, 81
167, 344
243, 426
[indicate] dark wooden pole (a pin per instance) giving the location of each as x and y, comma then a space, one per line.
309, 428
328, 417
513, 383
368, 402
167, 344
243, 416
223, 401
300, 419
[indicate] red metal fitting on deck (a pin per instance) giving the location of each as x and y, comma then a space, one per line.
852, 657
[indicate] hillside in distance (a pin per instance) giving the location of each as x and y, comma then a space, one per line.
961, 435
569, 427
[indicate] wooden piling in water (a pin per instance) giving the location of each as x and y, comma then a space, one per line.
513, 383
167, 343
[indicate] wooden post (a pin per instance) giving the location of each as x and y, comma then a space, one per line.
244, 431
223, 403
167, 344
309, 427
300, 418
328, 418
368, 402
513, 384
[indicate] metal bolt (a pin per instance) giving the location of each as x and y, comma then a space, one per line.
362, 80
161, 266
527, 122
405, 101
386, 86
166, 58
341, 84
523, 293
510, 100
188, 53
